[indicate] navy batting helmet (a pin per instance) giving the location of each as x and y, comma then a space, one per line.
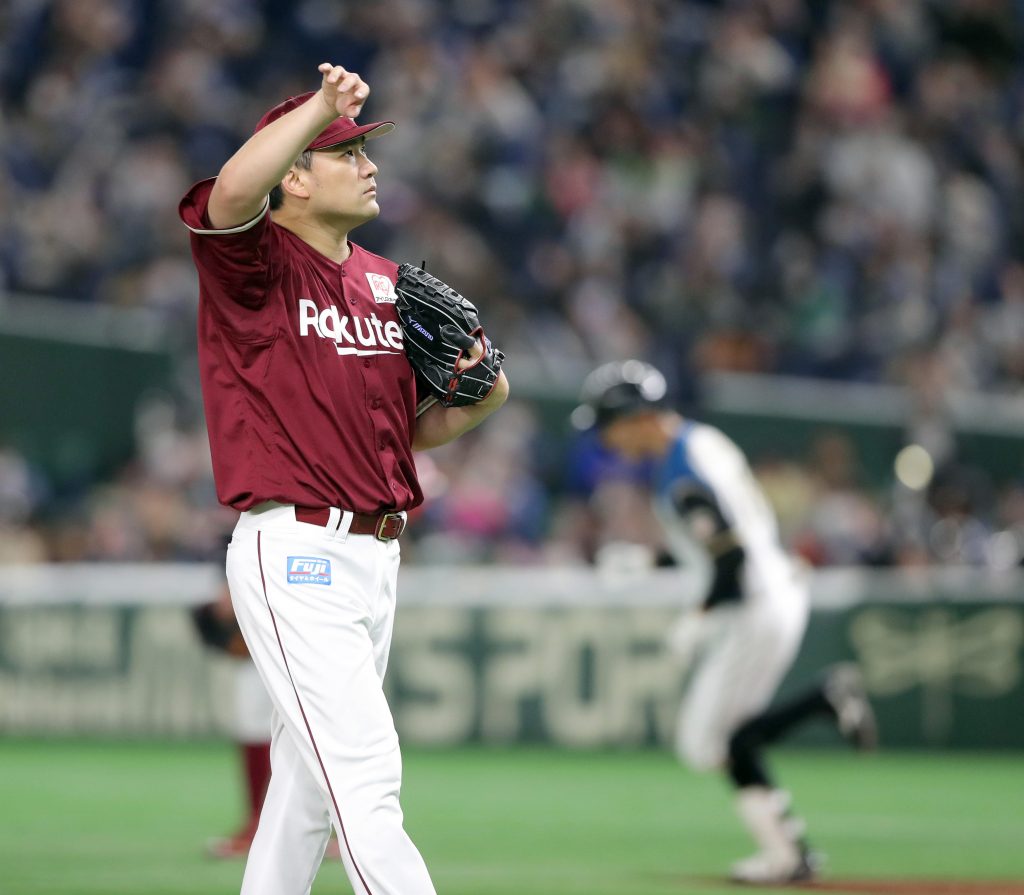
617, 389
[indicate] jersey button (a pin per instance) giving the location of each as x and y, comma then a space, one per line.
375, 404
366, 363
352, 301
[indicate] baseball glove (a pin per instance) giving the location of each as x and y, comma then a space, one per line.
440, 326
219, 630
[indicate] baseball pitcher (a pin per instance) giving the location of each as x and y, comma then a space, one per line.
323, 367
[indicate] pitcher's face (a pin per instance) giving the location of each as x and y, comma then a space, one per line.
342, 183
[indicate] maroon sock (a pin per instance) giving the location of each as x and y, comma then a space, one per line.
257, 774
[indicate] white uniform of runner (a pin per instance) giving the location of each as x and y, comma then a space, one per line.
753, 613
759, 634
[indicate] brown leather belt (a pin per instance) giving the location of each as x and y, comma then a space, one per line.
385, 527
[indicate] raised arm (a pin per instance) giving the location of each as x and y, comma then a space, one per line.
263, 160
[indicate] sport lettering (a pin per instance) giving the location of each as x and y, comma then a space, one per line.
351, 335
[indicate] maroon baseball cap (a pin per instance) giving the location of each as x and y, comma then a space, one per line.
341, 130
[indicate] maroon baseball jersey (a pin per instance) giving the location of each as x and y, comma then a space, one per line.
308, 393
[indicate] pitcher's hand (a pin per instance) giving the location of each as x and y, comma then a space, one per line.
343, 91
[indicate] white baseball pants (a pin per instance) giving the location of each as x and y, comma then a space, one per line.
739, 672
316, 606
252, 720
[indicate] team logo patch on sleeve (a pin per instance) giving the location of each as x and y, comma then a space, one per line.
309, 570
382, 288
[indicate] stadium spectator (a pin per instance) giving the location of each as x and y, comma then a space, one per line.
797, 173
826, 189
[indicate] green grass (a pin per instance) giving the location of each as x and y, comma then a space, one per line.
131, 819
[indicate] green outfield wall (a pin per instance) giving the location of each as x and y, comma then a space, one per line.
575, 659
71, 407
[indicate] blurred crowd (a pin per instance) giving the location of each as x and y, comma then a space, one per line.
782, 185
829, 189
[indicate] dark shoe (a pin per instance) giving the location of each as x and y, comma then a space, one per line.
844, 690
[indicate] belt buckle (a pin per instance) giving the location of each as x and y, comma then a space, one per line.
384, 521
